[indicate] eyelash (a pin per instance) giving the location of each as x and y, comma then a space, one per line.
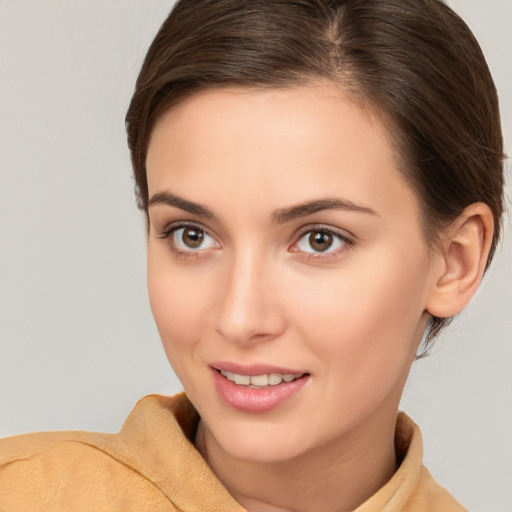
347, 243
170, 229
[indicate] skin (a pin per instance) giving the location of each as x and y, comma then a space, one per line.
256, 291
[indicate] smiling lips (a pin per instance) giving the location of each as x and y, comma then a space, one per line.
252, 390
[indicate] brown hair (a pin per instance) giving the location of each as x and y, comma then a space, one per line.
414, 61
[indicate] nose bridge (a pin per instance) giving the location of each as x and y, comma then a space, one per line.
246, 309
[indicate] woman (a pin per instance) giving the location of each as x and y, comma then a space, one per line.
322, 184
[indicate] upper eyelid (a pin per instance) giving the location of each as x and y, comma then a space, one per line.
175, 225
342, 233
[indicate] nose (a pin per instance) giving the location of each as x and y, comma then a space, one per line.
247, 309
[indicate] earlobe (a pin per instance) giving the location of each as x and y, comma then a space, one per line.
463, 258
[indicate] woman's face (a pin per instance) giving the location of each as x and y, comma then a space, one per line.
284, 244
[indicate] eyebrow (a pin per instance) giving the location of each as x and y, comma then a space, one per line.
310, 207
279, 216
178, 202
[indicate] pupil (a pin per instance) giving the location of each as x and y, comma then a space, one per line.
320, 240
192, 237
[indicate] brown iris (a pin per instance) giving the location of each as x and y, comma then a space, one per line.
192, 237
320, 241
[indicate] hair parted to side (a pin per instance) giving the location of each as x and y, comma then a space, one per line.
414, 62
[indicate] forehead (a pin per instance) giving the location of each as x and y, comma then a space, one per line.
290, 144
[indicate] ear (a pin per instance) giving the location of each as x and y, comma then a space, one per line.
462, 260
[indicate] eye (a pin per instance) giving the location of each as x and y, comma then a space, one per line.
188, 238
192, 238
321, 240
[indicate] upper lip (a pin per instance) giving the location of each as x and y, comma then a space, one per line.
253, 369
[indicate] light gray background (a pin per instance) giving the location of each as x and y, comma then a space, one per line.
78, 344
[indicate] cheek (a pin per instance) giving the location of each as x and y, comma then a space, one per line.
367, 317
178, 305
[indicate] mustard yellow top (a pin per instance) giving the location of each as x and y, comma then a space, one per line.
151, 465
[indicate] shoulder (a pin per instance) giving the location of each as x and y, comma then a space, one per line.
29, 446
81, 469
412, 488
52, 468
429, 492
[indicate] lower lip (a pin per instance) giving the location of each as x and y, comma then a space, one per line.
253, 400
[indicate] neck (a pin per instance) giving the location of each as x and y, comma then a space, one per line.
335, 477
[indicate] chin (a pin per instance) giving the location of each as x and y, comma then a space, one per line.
261, 448
261, 440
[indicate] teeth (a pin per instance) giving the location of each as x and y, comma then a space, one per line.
274, 379
244, 380
260, 381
